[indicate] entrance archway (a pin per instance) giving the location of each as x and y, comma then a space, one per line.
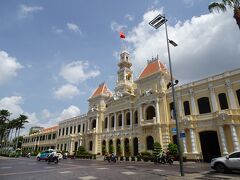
135, 146
149, 143
209, 145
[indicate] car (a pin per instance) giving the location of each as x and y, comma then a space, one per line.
44, 155
226, 163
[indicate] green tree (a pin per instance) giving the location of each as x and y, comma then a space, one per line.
4, 115
111, 148
21, 121
173, 149
222, 6
119, 150
157, 148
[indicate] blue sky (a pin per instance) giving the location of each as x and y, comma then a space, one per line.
53, 54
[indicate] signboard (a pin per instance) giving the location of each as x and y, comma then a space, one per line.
174, 130
182, 135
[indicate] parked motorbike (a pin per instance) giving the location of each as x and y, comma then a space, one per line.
52, 158
28, 155
163, 159
110, 158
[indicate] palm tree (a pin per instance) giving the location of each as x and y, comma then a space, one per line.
21, 121
222, 6
4, 114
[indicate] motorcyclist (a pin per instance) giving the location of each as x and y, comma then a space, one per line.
53, 157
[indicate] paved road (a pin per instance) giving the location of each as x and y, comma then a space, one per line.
29, 168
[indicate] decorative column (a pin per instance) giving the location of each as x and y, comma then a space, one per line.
81, 128
115, 121
157, 111
234, 138
233, 104
97, 128
179, 104
193, 105
122, 146
122, 120
184, 143
140, 114
88, 124
193, 141
213, 97
223, 140
131, 118
107, 145
108, 123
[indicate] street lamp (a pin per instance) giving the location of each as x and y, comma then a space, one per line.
157, 22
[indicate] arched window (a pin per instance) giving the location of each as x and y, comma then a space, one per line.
136, 117
223, 101
171, 107
150, 112
126, 147
93, 123
186, 108
149, 143
106, 123
120, 120
204, 105
111, 148
90, 145
112, 121
238, 96
128, 118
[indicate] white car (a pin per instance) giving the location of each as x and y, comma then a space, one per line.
227, 163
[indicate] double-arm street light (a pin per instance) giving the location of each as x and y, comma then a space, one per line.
156, 23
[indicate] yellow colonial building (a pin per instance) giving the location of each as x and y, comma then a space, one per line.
139, 112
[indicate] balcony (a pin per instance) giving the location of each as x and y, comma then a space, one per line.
149, 122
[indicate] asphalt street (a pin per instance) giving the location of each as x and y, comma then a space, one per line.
29, 168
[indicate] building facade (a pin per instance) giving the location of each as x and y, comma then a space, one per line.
138, 113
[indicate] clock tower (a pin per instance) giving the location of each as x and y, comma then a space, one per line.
125, 74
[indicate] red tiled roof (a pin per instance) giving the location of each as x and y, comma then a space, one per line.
152, 68
102, 89
50, 128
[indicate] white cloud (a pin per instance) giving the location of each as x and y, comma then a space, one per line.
129, 17
26, 10
73, 27
207, 45
117, 27
71, 111
67, 91
12, 104
78, 71
8, 67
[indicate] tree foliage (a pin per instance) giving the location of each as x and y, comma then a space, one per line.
222, 6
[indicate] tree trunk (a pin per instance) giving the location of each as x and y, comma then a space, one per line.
16, 135
17, 139
237, 16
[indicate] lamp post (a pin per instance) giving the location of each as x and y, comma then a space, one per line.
157, 22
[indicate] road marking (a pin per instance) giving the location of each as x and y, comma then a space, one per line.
87, 177
93, 164
130, 166
102, 168
49, 167
65, 172
159, 170
6, 167
128, 173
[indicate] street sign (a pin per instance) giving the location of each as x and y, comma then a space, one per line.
174, 130
182, 135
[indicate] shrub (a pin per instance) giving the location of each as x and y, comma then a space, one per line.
146, 156
157, 148
173, 149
